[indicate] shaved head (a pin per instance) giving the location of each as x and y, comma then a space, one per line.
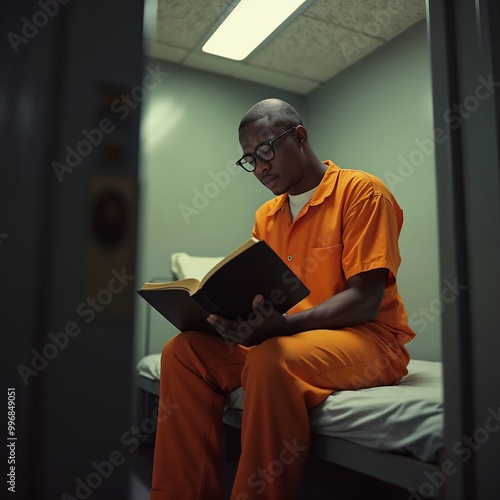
278, 112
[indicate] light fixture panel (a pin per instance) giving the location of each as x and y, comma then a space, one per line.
248, 25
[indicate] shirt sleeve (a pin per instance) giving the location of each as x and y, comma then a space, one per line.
370, 234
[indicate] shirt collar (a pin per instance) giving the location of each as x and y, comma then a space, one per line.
324, 189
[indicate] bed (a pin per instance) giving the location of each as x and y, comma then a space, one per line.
392, 433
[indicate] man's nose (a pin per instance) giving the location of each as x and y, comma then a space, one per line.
261, 166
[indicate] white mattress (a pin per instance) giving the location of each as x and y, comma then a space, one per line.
406, 418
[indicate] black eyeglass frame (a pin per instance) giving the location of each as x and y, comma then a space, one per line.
256, 156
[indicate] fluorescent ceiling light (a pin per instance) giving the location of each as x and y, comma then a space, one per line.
248, 25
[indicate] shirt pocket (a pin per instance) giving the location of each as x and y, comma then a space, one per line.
319, 260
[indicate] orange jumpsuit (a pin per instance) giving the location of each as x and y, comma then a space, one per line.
350, 225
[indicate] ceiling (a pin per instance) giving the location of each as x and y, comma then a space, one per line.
325, 38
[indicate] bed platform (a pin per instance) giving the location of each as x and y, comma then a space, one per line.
392, 433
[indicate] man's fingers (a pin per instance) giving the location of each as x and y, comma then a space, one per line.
258, 304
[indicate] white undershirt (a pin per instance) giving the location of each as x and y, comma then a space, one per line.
297, 201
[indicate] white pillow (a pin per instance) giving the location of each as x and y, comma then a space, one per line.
192, 266
149, 366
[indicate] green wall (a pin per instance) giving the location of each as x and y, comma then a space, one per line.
193, 197
372, 116
377, 116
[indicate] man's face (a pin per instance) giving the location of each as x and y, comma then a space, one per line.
283, 173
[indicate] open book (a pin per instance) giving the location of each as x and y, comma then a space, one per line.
228, 289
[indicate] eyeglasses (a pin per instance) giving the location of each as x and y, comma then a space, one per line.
264, 152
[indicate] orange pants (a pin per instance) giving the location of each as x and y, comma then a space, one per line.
282, 378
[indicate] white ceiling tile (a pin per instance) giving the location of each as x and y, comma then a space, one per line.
313, 49
166, 52
275, 79
213, 63
325, 39
377, 18
183, 23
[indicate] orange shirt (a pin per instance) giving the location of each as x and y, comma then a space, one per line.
350, 225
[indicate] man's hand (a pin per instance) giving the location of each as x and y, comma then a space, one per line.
358, 303
265, 322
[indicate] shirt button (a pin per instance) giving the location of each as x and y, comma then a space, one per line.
290, 258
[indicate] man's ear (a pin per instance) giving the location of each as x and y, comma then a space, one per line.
301, 134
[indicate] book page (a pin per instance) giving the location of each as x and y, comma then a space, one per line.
189, 284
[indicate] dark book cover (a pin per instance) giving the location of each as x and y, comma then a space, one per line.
229, 292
